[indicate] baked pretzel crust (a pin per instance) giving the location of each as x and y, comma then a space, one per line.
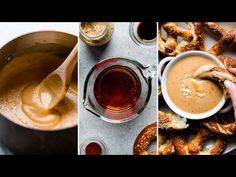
165, 144
215, 73
191, 37
195, 146
229, 62
221, 128
222, 124
171, 121
227, 37
145, 137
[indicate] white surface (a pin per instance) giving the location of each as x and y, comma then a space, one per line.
9, 31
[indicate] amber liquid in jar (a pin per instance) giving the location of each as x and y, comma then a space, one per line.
117, 88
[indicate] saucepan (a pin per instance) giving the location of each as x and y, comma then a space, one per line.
17, 138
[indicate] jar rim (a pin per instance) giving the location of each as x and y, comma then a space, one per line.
93, 37
97, 140
137, 40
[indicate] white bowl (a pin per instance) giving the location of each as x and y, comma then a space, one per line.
163, 79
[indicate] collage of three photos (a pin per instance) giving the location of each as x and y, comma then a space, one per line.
118, 88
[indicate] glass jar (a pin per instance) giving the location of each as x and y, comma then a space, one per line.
93, 140
101, 38
134, 30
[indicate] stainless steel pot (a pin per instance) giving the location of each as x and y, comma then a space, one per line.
22, 140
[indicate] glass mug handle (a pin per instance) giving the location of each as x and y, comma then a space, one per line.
150, 71
161, 64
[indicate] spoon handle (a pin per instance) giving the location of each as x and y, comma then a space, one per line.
68, 65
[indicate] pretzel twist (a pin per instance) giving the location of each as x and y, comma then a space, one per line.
222, 124
227, 37
229, 62
191, 37
195, 145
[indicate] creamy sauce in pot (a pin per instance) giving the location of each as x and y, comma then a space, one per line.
18, 93
189, 94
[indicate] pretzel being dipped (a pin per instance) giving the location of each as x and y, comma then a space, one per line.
213, 72
171, 121
191, 37
145, 137
195, 145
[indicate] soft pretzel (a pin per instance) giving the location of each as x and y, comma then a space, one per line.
201, 35
171, 121
191, 37
165, 144
227, 61
222, 124
195, 145
145, 137
213, 72
227, 38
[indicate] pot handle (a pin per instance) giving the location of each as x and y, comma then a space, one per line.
161, 64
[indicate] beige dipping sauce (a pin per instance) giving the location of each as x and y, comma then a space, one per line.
192, 95
18, 99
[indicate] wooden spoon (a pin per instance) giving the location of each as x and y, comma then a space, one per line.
54, 87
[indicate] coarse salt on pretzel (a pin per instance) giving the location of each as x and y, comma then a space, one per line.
171, 121
195, 145
165, 144
221, 128
145, 137
171, 46
213, 72
222, 124
229, 62
227, 38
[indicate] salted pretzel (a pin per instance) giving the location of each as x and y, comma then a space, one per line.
171, 121
227, 38
227, 61
195, 145
165, 144
222, 124
145, 137
213, 72
193, 38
